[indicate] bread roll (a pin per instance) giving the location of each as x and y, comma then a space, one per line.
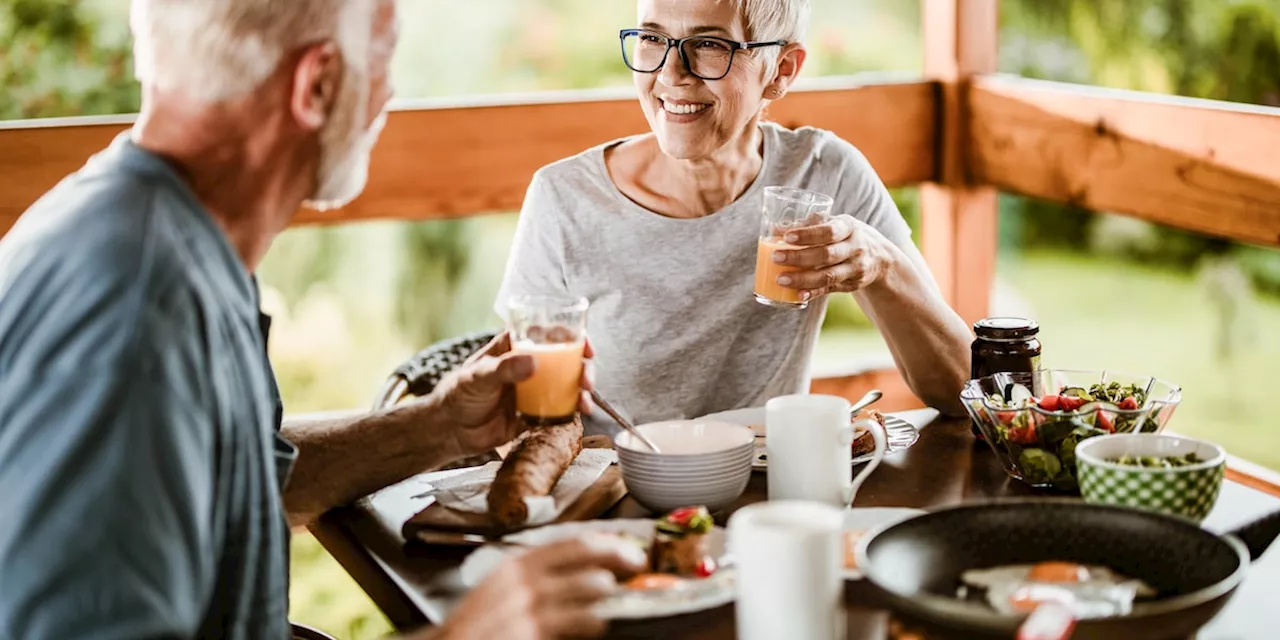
532, 470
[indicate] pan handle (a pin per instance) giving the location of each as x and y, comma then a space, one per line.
1259, 534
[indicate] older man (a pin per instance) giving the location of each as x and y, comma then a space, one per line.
145, 475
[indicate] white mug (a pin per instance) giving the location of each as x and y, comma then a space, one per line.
809, 440
788, 559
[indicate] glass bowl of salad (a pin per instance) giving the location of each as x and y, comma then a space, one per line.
1033, 421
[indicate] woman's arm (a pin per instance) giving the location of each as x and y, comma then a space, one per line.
928, 339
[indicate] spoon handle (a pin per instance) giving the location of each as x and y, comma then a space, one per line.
603, 404
870, 397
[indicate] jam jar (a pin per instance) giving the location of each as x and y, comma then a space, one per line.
1004, 345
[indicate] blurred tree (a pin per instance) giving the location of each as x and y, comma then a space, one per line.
1198, 48
58, 58
436, 254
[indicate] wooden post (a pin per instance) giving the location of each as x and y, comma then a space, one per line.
958, 219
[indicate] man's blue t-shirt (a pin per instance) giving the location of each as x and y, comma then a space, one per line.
141, 465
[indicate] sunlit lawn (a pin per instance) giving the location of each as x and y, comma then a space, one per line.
1094, 314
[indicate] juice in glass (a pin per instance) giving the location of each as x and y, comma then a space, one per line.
552, 329
785, 209
551, 395
767, 272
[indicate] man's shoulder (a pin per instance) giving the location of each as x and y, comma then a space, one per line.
93, 262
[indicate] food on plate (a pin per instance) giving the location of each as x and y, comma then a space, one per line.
531, 470
851, 539
1040, 434
652, 582
1158, 462
680, 543
1089, 591
863, 442
677, 552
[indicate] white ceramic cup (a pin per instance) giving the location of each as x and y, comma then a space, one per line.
788, 560
809, 440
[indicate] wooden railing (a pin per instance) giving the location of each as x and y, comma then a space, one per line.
453, 159
962, 133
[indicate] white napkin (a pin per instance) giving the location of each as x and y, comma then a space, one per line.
469, 492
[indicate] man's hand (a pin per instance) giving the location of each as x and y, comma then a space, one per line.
477, 401
546, 592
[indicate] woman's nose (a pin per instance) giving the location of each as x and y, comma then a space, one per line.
673, 72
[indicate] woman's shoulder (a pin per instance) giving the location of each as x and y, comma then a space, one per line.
814, 142
587, 164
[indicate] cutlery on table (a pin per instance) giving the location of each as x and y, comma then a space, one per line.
623, 422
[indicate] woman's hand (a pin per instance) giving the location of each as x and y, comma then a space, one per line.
843, 254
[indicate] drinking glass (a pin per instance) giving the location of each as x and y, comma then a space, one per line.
785, 209
552, 329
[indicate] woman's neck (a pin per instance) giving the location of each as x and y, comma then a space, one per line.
693, 188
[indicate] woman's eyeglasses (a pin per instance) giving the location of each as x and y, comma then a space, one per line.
705, 57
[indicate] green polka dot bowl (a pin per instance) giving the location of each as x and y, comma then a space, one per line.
1157, 472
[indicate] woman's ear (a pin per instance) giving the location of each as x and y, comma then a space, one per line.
790, 62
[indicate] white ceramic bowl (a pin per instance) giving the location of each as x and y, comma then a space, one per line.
681, 438
702, 463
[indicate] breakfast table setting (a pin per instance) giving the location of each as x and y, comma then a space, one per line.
1062, 505
418, 581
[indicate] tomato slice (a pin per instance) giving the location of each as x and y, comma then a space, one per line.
1022, 435
1104, 422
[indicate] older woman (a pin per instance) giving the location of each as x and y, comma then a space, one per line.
659, 231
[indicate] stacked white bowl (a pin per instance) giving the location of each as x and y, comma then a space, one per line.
703, 462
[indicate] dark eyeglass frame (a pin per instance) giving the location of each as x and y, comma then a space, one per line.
678, 45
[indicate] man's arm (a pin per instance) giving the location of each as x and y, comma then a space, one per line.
342, 458
470, 412
105, 528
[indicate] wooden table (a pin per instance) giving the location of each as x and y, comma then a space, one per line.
417, 585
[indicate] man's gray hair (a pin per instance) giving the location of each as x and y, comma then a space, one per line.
213, 50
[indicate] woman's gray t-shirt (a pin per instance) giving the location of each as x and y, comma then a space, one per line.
673, 320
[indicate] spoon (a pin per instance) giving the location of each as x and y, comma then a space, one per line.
871, 396
617, 417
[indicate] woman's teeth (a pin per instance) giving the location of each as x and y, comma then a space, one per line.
683, 109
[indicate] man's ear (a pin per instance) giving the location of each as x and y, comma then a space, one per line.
316, 80
790, 62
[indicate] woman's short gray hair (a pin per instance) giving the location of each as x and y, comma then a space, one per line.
775, 19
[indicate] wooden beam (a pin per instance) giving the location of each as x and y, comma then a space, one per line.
1205, 166
452, 160
958, 216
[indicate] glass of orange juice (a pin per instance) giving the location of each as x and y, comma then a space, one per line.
785, 209
553, 330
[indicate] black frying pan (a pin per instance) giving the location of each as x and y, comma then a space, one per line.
916, 564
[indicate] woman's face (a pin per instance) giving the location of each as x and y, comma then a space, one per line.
692, 117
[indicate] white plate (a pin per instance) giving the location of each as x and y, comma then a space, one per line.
902, 434
694, 595
870, 520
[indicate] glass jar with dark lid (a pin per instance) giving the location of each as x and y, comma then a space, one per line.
1004, 345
